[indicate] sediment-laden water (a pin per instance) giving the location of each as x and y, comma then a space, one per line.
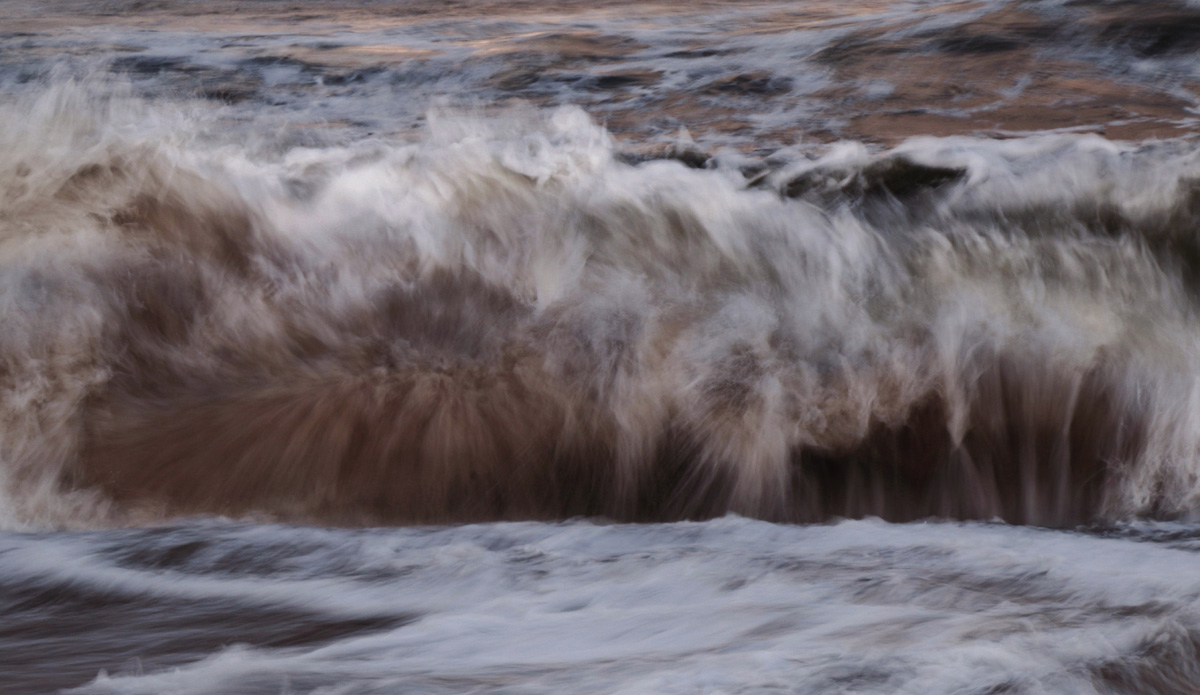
500, 347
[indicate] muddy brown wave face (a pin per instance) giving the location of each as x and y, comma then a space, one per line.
470, 444
507, 322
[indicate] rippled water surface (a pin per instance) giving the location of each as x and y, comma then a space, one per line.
723, 606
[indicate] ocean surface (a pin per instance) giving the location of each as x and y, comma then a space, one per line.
515, 347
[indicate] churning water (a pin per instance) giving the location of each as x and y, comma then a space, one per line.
576, 324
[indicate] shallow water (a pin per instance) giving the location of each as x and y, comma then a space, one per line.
500, 347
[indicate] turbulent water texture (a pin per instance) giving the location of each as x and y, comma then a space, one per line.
508, 320
727, 606
757, 76
374, 265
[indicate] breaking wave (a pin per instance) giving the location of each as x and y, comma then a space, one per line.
510, 319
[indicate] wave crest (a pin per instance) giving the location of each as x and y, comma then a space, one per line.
507, 321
